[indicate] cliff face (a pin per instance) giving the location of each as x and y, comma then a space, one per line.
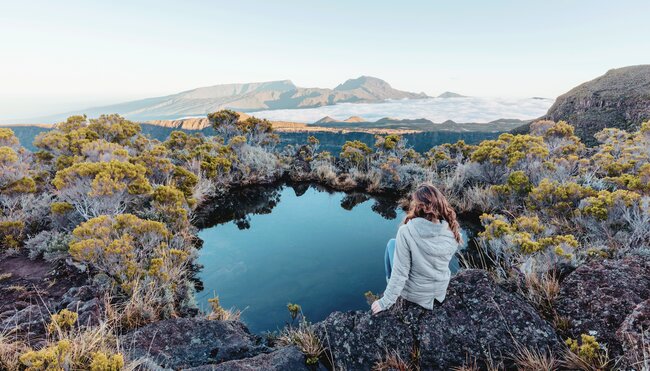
619, 99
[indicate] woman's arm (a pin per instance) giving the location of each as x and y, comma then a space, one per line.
399, 274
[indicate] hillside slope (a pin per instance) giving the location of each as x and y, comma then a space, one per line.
619, 99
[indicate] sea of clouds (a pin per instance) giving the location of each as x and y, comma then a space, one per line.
461, 110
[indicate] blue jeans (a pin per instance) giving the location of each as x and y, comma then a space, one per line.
388, 257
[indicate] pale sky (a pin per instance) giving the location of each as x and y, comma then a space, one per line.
62, 55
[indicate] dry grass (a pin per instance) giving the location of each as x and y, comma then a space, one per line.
10, 351
5, 276
468, 366
392, 362
574, 361
541, 289
304, 337
535, 360
16, 288
220, 313
74, 348
140, 309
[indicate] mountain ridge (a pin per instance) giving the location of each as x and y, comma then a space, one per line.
247, 97
620, 99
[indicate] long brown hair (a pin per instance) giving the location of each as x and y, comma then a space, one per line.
429, 203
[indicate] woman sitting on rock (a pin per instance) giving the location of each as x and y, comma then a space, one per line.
417, 260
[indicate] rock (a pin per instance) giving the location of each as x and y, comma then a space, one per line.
634, 334
190, 342
288, 358
29, 321
618, 99
597, 297
478, 320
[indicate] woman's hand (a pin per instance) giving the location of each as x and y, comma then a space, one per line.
376, 307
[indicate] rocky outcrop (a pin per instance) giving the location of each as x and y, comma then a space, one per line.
597, 297
287, 358
618, 99
190, 342
478, 320
634, 335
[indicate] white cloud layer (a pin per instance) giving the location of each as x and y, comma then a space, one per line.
461, 110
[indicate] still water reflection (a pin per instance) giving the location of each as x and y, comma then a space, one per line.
267, 246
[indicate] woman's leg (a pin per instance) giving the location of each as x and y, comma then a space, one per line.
388, 257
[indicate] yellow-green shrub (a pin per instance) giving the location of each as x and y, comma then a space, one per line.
599, 206
355, 152
8, 138
555, 198
12, 234
526, 235
128, 249
106, 178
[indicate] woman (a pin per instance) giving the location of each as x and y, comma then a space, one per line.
417, 260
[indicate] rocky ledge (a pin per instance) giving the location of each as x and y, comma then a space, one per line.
478, 321
608, 299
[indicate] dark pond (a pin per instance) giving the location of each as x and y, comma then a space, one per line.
267, 246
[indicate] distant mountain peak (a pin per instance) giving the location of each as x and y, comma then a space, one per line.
354, 119
451, 94
362, 81
325, 120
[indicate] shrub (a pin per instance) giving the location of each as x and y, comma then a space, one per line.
601, 205
524, 235
11, 234
97, 188
558, 199
258, 132
170, 207
50, 245
8, 138
133, 252
585, 354
355, 153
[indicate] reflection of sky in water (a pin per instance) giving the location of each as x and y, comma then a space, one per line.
461, 110
309, 250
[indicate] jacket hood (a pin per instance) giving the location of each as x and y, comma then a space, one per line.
426, 229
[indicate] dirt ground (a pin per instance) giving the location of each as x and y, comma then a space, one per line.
24, 282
